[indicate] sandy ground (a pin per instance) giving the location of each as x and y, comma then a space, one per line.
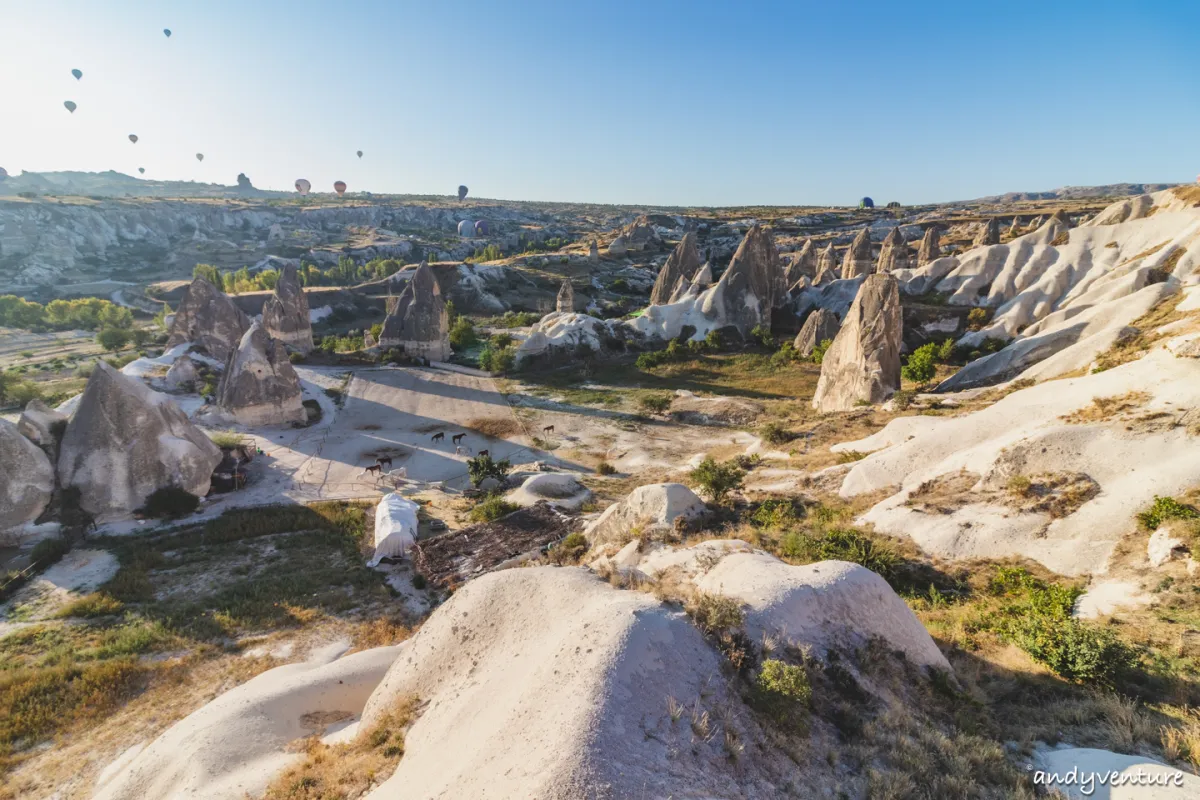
44, 346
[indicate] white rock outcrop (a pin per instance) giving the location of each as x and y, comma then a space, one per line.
26, 478
648, 509
560, 489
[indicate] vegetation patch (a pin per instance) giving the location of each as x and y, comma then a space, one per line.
1103, 409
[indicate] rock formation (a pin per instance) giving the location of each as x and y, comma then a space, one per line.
209, 318
41, 425
369, 340
827, 266
989, 233
858, 261
618, 246
593, 253
931, 247
259, 385
822, 324
285, 314
752, 285
652, 508
640, 234
1014, 230
182, 373
863, 363
895, 253
26, 478
566, 297
803, 264
681, 265
419, 324
126, 441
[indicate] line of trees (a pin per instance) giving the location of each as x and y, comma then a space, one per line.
345, 273
84, 313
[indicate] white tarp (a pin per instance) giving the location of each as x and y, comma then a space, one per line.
395, 527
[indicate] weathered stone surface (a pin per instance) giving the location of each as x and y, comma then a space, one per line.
285, 314
38, 423
1165, 545
895, 253
182, 373
369, 340
566, 297
209, 318
640, 234
690, 408
863, 363
652, 509
618, 246
858, 261
803, 264
419, 323
1014, 230
989, 233
594, 253
683, 263
821, 324
26, 478
126, 441
931, 246
259, 385
827, 266
753, 284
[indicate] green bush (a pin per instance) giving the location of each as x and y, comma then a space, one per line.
774, 433
819, 350
785, 355
605, 468
654, 403
718, 480
500, 340
922, 364
784, 680
49, 551
112, 339
1163, 509
763, 336
226, 440
492, 508
714, 614
497, 359
480, 468
462, 333
714, 340
775, 513
170, 501
977, 318
619, 285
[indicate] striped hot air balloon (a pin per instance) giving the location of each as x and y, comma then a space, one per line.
303, 186
339, 187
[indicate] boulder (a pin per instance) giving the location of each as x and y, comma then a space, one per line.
419, 323
1164, 545
285, 314
566, 297
894, 254
863, 363
183, 372
649, 509
207, 317
821, 324
560, 489
692, 409
593, 253
931, 247
827, 266
989, 233
1075, 773
41, 425
259, 385
126, 441
857, 260
618, 246
682, 264
803, 264
369, 340
26, 478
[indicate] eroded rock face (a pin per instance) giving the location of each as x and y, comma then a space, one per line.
827, 266
259, 385
680, 266
753, 284
1014, 230
989, 233
419, 323
895, 253
858, 261
931, 246
593, 253
618, 246
182, 373
38, 423
209, 318
126, 441
640, 234
285, 314
803, 264
863, 363
26, 478
821, 324
566, 297
652, 508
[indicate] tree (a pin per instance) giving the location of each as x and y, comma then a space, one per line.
718, 480
112, 339
480, 468
922, 364
140, 336
462, 333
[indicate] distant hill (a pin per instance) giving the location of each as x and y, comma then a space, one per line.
1078, 192
118, 184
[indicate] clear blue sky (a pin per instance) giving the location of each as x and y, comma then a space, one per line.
689, 103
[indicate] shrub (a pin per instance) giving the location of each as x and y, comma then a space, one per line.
500, 340
418, 581
49, 551
844, 544
569, 550
787, 681
775, 513
1163, 509
226, 440
112, 339
480, 468
774, 433
922, 364
902, 399
605, 468
462, 333
763, 336
170, 501
655, 403
714, 340
492, 508
785, 355
819, 350
619, 285
977, 318
718, 480
714, 614
493, 359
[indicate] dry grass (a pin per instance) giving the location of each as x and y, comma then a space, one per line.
1133, 347
494, 427
1189, 193
345, 771
1058, 494
1149, 251
1103, 409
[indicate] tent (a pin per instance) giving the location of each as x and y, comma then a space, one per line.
395, 527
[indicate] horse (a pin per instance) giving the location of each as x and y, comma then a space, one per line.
458, 437
374, 469
384, 460
483, 453
439, 436
548, 429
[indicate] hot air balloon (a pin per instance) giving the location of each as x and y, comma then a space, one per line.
142, 170
462, 192
340, 188
70, 106
482, 228
167, 32
3, 174
302, 185
77, 73
866, 202
133, 138
360, 153
466, 229
199, 156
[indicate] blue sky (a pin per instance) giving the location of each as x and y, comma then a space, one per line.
699, 103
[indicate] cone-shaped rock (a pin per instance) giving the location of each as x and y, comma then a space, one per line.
1014, 230
566, 298
259, 385
594, 253
419, 323
618, 246
821, 324
682, 263
285, 314
641, 234
1062, 218
182, 373
26, 478
858, 261
828, 268
802, 264
126, 441
863, 363
753, 283
895, 253
931, 246
40, 424
209, 318
989, 233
